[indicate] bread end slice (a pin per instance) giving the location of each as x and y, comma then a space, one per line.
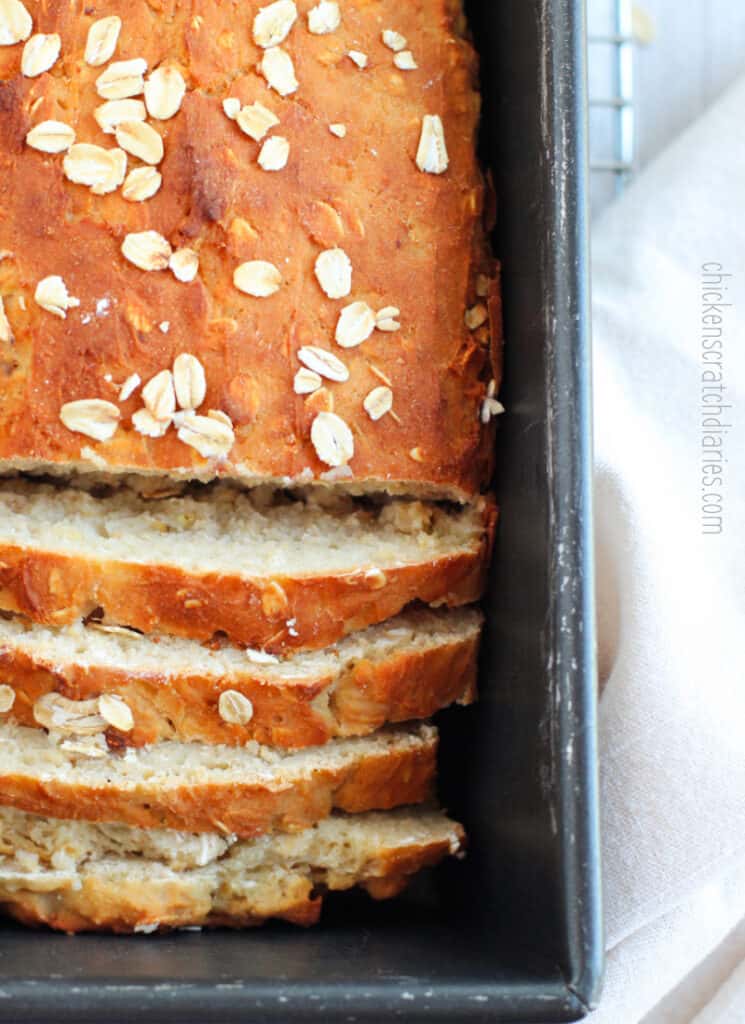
76, 876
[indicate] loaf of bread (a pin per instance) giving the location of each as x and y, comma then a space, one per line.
171, 689
250, 343
71, 773
274, 574
277, 185
78, 876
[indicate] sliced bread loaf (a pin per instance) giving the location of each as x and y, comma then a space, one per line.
78, 876
176, 689
267, 571
247, 790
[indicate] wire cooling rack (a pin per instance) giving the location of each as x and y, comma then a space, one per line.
611, 61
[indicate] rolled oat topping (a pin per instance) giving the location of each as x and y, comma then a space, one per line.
323, 362
159, 395
257, 278
256, 120
116, 712
279, 71
103, 35
51, 137
232, 107
274, 154
490, 407
334, 273
102, 170
432, 155
325, 17
356, 324
386, 319
394, 40
122, 79
189, 381
211, 437
76, 717
6, 334
272, 24
147, 250
332, 439
404, 61
112, 113
476, 316
15, 22
40, 53
142, 183
164, 93
141, 140
220, 416
306, 381
378, 402
92, 417
360, 59
146, 424
52, 294
234, 708
184, 264
129, 386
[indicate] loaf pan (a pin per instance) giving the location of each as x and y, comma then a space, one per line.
512, 933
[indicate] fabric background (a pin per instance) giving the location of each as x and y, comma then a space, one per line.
671, 600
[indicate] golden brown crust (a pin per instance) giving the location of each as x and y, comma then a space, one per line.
101, 907
415, 241
103, 904
291, 713
55, 589
377, 781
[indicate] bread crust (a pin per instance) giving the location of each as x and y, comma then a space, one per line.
102, 904
363, 193
278, 614
376, 781
290, 713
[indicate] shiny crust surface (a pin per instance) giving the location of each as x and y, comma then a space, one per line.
415, 240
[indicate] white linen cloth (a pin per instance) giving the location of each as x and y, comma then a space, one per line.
671, 600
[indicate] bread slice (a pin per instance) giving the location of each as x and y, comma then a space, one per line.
247, 790
406, 668
78, 876
267, 571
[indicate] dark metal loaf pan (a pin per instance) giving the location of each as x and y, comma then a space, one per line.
512, 933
